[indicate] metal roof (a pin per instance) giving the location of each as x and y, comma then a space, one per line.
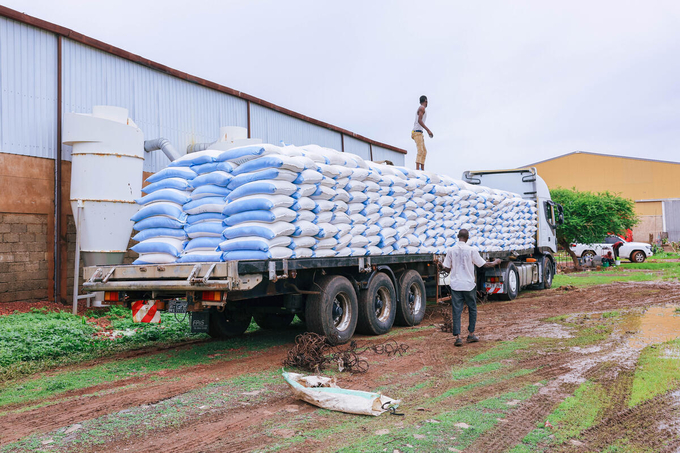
603, 155
83, 39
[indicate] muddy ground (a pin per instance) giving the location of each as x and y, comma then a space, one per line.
496, 395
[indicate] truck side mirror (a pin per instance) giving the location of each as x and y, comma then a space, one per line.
560, 216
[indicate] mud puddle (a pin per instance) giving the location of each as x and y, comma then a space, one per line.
656, 325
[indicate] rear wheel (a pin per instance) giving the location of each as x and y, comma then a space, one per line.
511, 283
228, 324
638, 256
411, 306
588, 254
377, 306
273, 321
548, 273
333, 312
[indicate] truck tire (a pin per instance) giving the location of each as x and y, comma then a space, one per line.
334, 312
228, 324
548, 273
588, 254
377, 306
511, 285
411, 306
638, 256
273, 321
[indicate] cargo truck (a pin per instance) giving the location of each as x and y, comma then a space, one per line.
334, 296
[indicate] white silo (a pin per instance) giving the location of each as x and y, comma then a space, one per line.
106, 178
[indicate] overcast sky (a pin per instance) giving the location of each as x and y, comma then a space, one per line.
509, 83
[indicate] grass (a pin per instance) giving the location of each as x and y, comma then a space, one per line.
506, 349
53, 384
40, 339
463, 373
666, 256
656, 372
575, 414
441, 432
144, 420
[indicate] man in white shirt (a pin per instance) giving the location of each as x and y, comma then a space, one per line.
460, 262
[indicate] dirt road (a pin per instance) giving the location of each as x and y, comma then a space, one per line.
537, 354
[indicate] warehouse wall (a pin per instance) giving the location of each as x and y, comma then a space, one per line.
162, 105
361, 149
28, 90
380, 154
274, 127
636, 179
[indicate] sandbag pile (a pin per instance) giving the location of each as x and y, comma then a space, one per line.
267, 202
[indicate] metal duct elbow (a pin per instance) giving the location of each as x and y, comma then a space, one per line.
198, 147
164, 145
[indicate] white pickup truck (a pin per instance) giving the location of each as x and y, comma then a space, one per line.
636, 252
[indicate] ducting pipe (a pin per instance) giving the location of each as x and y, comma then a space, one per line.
164, 145
199, 147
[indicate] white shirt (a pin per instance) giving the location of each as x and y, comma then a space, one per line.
416, 124
462, 259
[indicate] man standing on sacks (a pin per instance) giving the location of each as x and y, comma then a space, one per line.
460, 262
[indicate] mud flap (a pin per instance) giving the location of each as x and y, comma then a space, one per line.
200, 320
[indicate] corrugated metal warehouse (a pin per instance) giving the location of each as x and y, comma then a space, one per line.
47, 71
654, 185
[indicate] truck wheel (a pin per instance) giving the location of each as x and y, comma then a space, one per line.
511, 283
273, 321
377, 306
333, 313
228, 324
638, 257
548, 274
588, 254
411, 307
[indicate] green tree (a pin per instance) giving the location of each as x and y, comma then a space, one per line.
589, 216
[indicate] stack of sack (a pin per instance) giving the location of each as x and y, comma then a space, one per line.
267, 202
160, 221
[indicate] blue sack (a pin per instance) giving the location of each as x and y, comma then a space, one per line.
244, 255
198, 158
209, 190
264, 175
264, 188
201, 257
160, 233
264, 230
254, 243
241, 154
156, 247
271, 161
203, 205
206, 216
217, 178
171, 195
169, 183
172, 172
274, 215
205, 229
158, 222
264, 203
159, 209
203, 243
214, 166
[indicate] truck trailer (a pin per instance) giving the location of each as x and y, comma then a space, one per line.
334, 296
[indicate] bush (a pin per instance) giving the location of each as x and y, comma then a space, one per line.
41, 334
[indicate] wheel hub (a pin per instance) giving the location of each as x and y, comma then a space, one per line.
337, 311
378, 304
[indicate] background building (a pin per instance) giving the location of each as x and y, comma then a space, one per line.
654, 186
46, 71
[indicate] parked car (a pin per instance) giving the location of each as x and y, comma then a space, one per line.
636, 252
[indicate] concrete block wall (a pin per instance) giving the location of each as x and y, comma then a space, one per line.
24, 257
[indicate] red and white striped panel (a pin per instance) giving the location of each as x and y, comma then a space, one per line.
494, 289
146, 311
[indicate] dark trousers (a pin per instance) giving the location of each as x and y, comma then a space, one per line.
459, 299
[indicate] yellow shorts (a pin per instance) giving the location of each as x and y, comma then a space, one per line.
420, 146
